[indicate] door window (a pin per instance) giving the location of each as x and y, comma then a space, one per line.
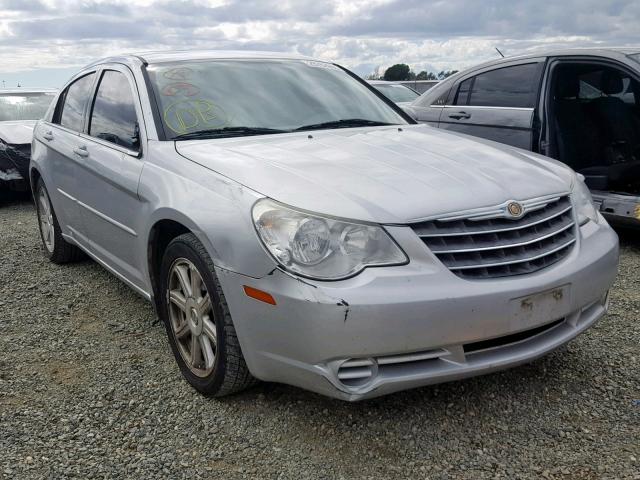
75, 100
113, 117
506, 87
463, 92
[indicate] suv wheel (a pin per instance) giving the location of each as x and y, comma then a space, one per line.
198, 322
57, 249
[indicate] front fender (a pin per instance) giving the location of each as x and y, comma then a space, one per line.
216, 209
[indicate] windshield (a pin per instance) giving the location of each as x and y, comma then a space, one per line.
24, 106
246, 97
397, 93
635, 56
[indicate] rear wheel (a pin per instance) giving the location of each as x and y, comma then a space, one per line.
57, 249
198, 321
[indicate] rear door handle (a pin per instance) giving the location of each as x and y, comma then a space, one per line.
460, 115
81, 151
48, 135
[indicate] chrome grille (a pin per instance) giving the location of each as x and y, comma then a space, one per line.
499, 247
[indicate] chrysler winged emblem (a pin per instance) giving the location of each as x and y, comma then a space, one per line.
515, 209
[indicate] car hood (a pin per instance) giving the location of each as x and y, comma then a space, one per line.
381, 174
17, 132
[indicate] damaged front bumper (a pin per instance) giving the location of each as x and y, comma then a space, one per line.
14, 165
618, 208
394, 328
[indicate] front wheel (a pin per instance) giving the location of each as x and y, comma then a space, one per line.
198, 322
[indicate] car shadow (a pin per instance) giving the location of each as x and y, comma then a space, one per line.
629, 237
9, 198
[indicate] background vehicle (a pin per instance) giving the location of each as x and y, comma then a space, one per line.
19, 110
581, 107
419, 86
395, 92
279, 212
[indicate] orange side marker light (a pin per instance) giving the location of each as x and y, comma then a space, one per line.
259, 295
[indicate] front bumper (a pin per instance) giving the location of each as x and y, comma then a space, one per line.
416, 324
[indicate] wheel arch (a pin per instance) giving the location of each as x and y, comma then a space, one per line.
166, 225
161, 233
34, 176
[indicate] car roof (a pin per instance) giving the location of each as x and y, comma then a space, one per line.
154, 57
615, 52
9, 91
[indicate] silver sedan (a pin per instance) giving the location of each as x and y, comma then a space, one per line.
291, 225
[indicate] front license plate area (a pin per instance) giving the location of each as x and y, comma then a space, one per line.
540, 308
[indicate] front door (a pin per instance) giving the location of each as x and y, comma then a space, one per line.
498, 105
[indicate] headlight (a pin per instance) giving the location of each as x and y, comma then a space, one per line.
583, 202
322, 247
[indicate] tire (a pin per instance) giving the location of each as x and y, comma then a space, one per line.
56, 248
195, 325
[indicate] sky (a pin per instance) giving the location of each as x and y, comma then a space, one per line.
44, 42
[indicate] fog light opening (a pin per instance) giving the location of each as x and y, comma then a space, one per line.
357, 372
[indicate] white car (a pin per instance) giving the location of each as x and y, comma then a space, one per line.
396, 92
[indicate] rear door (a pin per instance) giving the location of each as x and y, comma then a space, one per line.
497, 104
60, 138
111, 152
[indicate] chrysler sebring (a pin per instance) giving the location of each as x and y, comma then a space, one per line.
291, 224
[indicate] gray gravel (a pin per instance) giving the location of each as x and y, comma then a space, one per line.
89, 389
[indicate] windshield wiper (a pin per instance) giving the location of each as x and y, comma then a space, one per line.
345, 123
228, 132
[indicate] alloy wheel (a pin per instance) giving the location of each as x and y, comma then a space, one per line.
45, 217
191, 317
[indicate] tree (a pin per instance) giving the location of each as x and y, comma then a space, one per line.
424, 75
397, 72
446, 73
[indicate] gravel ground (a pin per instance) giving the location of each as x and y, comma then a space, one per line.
89, 389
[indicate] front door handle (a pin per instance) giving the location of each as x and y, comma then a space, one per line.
460, 115
81, 151
48, 135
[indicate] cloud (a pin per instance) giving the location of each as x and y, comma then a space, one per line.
360, 34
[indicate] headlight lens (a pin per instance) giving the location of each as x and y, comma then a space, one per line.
583, 202
322, 247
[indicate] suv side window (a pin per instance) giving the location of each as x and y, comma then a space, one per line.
515, 86
71, 114
113, 116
